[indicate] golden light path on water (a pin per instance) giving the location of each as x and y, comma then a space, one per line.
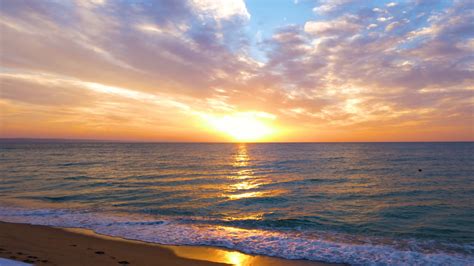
236, 258
246, 184
244, 177
231, 257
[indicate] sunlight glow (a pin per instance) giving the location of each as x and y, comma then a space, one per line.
236, 258
246, 126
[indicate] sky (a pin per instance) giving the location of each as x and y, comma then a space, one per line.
235, 70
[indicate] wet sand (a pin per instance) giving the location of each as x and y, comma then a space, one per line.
42, 245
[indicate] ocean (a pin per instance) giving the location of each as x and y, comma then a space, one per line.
355, 203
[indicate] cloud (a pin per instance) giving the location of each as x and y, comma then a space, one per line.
219, 10
391, 71
353, 67
329, 6
391, 4
39, 91
392, 26
131, 54
330, 27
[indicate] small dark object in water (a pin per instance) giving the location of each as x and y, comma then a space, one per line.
419, 170
28, 261
12, 257
124, 262
45, 261
73, 245
32, 257
100, 252
19, 253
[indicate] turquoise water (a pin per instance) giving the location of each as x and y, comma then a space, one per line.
357, 203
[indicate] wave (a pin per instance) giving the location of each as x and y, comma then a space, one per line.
78, 177
289, 244
79, 164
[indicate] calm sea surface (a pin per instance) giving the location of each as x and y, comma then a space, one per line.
357, 203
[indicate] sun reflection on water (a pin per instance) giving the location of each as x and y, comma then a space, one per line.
245, 195
241, 158
245, 185
239, 190
243, 174
236, 258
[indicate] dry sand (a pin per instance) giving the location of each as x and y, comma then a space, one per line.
41, 245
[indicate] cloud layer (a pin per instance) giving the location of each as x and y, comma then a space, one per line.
153, 70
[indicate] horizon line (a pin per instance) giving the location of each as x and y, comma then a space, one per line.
63, 140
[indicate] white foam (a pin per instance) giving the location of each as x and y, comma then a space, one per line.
290, 245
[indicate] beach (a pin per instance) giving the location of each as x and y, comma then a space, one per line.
42, 245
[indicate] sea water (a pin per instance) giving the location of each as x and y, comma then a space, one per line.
356, 203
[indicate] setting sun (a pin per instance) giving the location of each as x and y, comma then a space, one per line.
243, 127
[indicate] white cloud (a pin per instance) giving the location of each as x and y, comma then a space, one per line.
221, 10
90, 3
328, 6
371, 26
383, 19
329, 27
392, 26
378, 10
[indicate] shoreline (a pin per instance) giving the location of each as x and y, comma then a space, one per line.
44, 245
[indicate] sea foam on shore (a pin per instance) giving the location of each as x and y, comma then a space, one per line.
336, 248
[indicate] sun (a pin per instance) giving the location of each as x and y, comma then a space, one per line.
245, 126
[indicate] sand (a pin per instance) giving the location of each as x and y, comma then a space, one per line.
42, 245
